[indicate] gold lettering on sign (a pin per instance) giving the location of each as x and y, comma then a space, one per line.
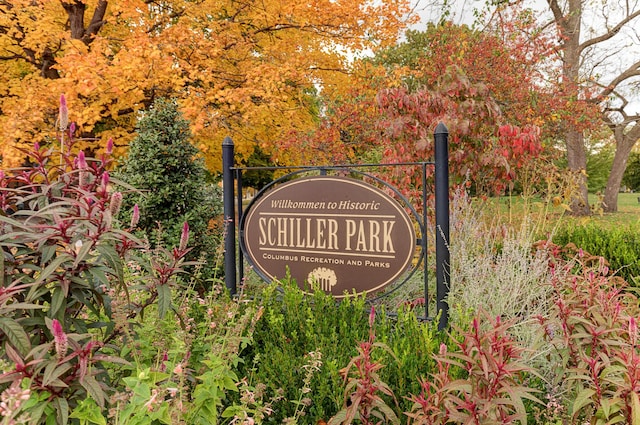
365, 235
296, 232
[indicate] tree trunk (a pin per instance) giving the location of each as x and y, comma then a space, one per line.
610, 200
570, 22
624, 145
577, 163
76, 11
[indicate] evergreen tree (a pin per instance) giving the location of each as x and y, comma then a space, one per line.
171, 184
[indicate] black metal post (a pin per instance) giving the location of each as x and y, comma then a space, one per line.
229, 216
240, 211
425, 255
441, 153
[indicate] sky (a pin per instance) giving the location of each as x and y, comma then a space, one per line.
610, 58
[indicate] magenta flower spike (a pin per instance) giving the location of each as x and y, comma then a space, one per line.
82, 161
372, 316
59, 339
58, 332
104, 181
116, 203
109, 149
63, 115
135, 216
184, 237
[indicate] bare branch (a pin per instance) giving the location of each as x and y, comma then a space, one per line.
630, 72
611, 33
557, 11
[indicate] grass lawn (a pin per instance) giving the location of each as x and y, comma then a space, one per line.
628, 214
512, 209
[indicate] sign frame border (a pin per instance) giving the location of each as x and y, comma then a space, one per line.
408, 270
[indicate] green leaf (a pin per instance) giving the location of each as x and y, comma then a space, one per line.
387, 411
635, 409
37, 411
48, 251
339, 418
162, 415
25, 306
16, 335
52, 267
82, 253
51, 420
610, 407
14, 223
89, 411
582, 399
93, 388
57, 303
98, 274
53, 371
164, 299
62, 410
112, 260
129, 236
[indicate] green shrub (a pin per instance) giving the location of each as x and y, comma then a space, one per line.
294, 325
619, 246
170, 182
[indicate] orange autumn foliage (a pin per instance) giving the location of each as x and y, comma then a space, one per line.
243, 69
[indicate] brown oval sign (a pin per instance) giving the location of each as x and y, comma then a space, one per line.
335, 234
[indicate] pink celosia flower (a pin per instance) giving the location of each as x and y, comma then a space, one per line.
109, 146
135, 216
184, 237
63, 115
59, 339
104, 181
58, 332
82, 161
116, 203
